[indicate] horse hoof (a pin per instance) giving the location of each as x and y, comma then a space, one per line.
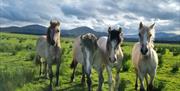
142, 89
99, 90
135, 88
82, 82
50, 88
150, 87
71, 81
57, 84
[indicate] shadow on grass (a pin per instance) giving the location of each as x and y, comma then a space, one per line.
159, 85
122, 85
76, 87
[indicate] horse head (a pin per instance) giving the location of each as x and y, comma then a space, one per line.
115, 38
88, 46
54, 32
146, 35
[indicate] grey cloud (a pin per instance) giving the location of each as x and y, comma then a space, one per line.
78, 11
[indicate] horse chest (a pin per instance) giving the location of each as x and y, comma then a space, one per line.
147, 66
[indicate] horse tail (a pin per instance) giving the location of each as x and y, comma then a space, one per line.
73, 64
37, 59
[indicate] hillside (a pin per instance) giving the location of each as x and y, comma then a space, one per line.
19, 73
41, 30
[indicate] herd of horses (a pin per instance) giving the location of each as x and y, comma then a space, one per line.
99, 53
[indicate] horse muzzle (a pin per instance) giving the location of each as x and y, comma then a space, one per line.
144, 51
112, 59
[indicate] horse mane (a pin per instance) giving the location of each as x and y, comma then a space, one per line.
152, 38
48, 35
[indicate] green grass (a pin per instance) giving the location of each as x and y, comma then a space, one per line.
19, 73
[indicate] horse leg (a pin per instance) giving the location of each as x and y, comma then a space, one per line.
117, 79
40, 66
110, 80
141, 78
101, 79
83, 75
136, 84
89, 82
88, 74
57, 73
146, 78
150, 85
73, 65
45, 70
50, 74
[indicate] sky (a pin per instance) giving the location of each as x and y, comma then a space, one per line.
96, 14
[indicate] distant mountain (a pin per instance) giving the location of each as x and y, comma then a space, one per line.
81, 30
167, 37
41, 30
160, 37
30, 29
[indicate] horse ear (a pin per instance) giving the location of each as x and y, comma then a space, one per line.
152, 26
81, 37
58, 23
140, 25
120, 30
109, 29
51, 22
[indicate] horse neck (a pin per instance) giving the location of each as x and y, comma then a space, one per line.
58, 44
151, 44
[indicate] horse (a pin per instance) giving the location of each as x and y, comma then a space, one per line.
87, 53
49, 48
110, 47
144, 57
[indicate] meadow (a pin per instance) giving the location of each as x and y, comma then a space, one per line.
18, 71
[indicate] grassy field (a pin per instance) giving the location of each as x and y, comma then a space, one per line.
19, 73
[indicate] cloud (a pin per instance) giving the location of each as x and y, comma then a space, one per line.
96, 14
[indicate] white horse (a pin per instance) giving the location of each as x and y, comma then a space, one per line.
105, 52
144, 57
112, 53
87, 53
49, 49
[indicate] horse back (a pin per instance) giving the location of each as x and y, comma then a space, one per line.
102, 42
42, 46
77, 52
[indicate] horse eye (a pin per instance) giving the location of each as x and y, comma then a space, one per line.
57, 30
139, 35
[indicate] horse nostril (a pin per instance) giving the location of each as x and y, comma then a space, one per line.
141, 50
144, 51
109, 58
112, 59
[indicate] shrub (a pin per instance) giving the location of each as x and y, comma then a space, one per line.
66, 42
159, 85
29, 46
70, 46
176, 53
126, 66
126, 57
160, 62
123, 84
175, 67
